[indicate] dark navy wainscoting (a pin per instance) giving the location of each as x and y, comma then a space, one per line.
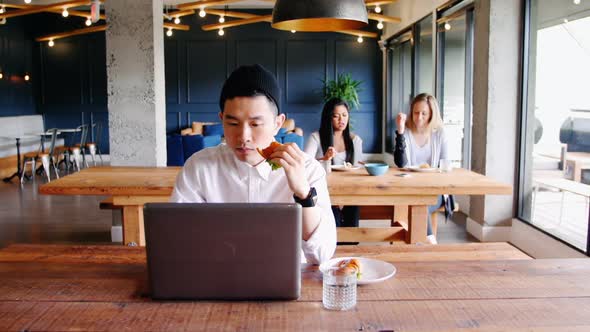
16, 60
70, 78
197, 63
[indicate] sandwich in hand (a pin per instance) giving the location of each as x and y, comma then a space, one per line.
267, 152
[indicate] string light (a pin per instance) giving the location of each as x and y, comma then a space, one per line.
88, 22
360, 39
177, 20
377, 9
51, 43
221, 32
169, 32
65, 13
221, 19
27, 77
202, 12
293, 31
565, 20
27, 1
447, 26
380, 25
1, 75
577, 2
2, 10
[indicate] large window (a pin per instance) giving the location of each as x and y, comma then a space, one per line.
555, 158
400, 55
454, 91
424, 57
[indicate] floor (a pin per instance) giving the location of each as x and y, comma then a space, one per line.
28, 217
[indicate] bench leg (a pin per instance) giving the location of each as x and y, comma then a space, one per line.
418, 218
133, 231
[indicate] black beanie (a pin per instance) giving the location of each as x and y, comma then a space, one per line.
246, 80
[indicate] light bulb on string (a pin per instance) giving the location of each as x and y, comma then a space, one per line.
577, 2
380, 25
50, 43
27, 1
360, 39
177, 20
202, 13
88, 22
565, 20
169, 33
447, 26
27, 77
377, 9
1, 75
221, 32
2, 10
65, 13
221, 19
293, 31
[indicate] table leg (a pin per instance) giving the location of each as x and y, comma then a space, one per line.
18, 165
133, 231
417, 220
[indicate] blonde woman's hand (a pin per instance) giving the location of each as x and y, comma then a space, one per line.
400, 121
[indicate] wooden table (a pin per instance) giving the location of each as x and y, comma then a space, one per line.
483, 287
131, 187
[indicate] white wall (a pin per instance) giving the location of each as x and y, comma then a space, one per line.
409, 11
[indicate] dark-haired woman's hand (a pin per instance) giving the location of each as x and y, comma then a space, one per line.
329, 154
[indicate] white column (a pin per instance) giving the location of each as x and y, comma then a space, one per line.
135, 82
496, 111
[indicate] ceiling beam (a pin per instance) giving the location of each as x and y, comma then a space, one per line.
357, 33
180, 13
230, 13
379, 2
182, 27
39, 9
384, 18
262, 18
83, 31
57, 11
205, 4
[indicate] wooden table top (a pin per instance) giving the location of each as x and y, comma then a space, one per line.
490, 287
149, 181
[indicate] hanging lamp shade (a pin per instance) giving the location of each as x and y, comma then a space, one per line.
319, 15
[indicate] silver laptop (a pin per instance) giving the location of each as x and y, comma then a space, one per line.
223, 251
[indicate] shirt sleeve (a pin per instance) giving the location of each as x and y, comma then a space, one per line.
313, 147
321, 245
444, 148
400, 156
357, 143
186, 189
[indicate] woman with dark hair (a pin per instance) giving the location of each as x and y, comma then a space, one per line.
335, 143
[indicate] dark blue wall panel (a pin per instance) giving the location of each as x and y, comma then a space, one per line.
16, 60
71, 84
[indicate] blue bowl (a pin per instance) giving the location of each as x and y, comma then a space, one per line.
376, 169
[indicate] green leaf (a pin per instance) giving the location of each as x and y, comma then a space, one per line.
343, 87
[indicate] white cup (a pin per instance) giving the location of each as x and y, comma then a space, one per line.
327, 164
445, 165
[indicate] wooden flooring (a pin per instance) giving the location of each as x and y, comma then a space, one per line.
29, 217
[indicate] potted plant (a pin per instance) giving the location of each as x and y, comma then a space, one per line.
343, 87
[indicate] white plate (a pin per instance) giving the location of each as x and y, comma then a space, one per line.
344, 169
418, 169
372, 270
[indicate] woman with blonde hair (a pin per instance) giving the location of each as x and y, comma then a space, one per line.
420, 141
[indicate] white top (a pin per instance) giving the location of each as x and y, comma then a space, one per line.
437, 149
313, 147
215, 175
422, 154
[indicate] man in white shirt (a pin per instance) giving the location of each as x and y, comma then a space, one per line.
236, 172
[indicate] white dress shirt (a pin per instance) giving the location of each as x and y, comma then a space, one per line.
215, 175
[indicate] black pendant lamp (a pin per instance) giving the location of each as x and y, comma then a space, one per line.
319, 15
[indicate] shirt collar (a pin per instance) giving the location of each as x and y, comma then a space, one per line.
263, 169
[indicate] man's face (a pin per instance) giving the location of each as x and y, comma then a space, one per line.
249, 123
